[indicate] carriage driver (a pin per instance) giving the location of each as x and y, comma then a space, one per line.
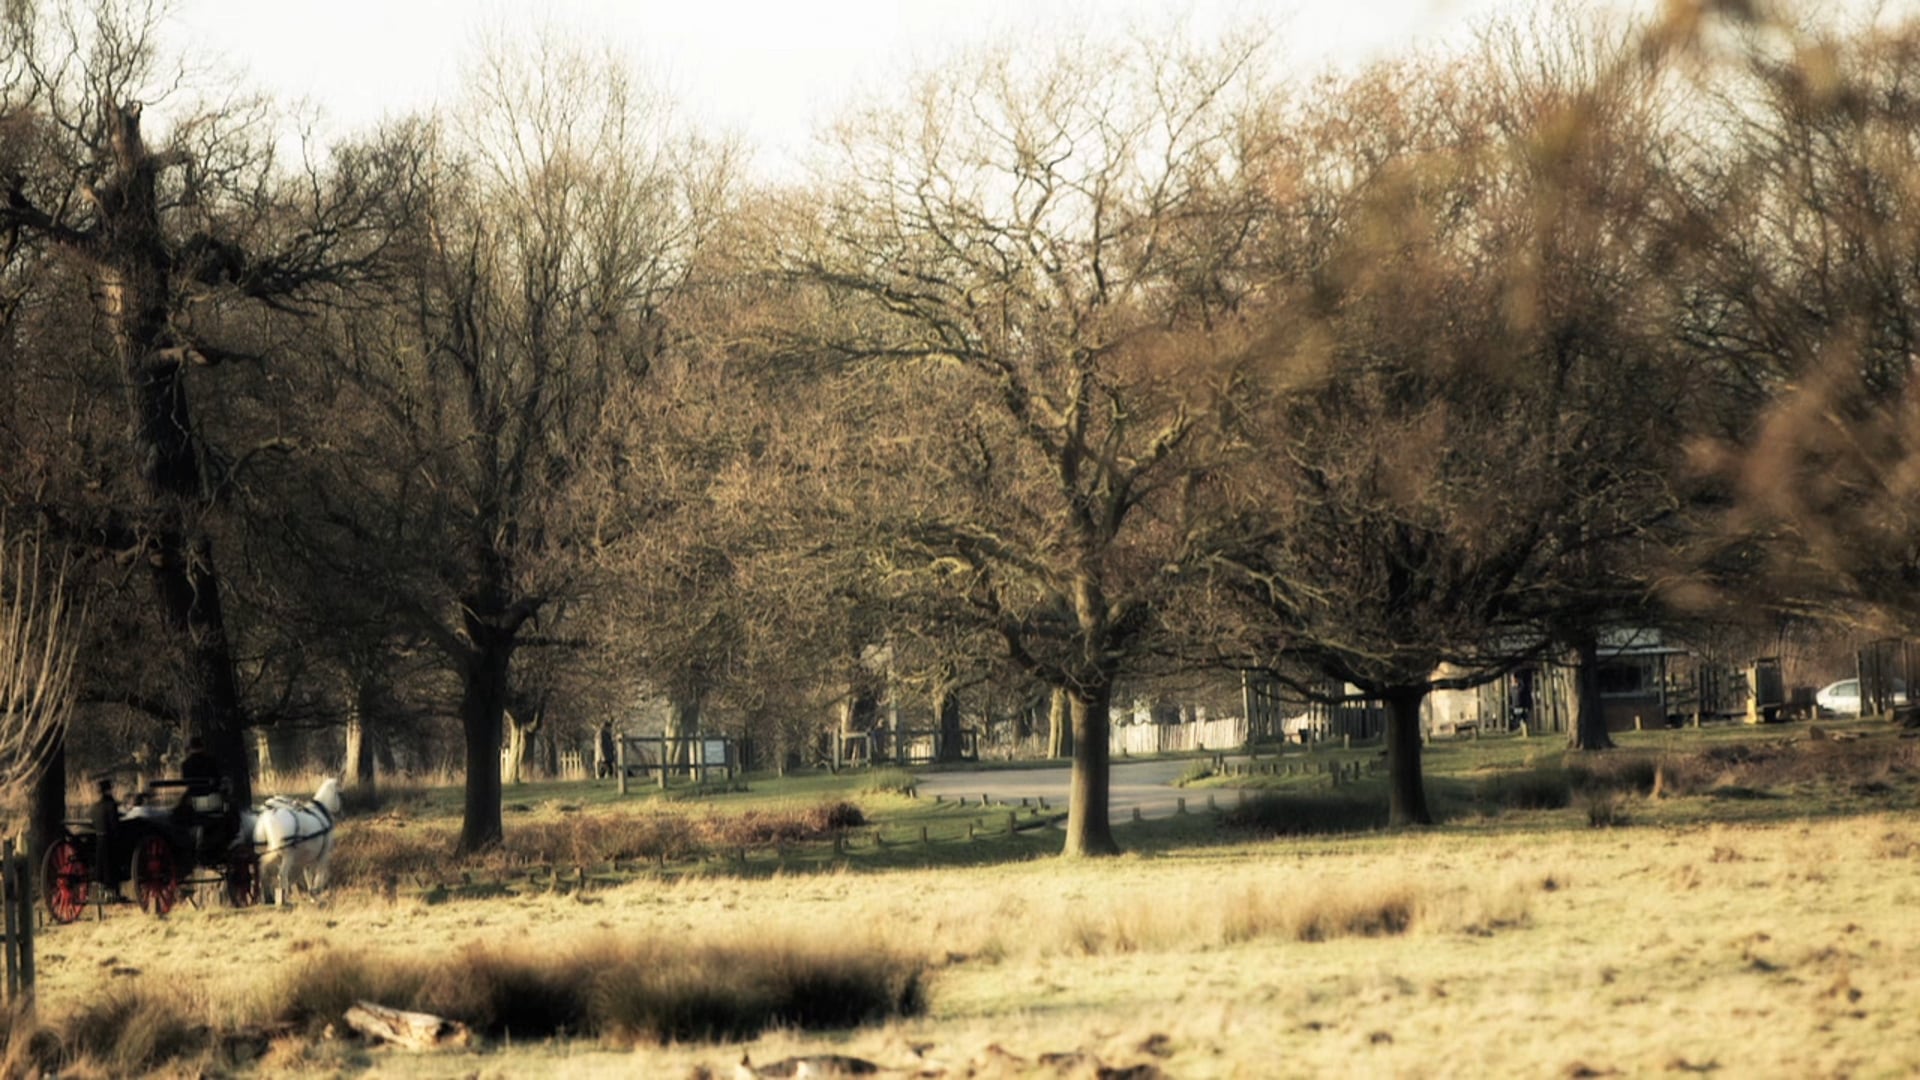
106, 822
198, 768
205, 800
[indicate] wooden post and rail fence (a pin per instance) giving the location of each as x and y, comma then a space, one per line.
697, 757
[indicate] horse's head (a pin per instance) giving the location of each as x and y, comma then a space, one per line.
329, 795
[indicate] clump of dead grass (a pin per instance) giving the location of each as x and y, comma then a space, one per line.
1388, 906
891, 781
618, 990
127, 1031
1366, 906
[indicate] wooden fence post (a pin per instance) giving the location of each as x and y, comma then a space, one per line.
12, 929
620, 762
24, 880
16, 895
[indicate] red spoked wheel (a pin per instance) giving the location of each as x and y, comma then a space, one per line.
156, 879
243, 880
66, 880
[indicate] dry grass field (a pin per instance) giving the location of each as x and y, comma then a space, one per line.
1767, 932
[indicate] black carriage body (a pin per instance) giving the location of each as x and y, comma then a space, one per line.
158, 846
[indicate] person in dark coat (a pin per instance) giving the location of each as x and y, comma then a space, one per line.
198, 768
106, 825
203, 807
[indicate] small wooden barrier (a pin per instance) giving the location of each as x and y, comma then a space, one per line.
16, 883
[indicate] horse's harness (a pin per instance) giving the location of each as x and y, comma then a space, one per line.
299, 808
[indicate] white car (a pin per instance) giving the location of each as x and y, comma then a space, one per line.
1843, 698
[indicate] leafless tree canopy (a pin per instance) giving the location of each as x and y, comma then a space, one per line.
1067, 367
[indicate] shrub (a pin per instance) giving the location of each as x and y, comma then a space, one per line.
838, 815
1282, 814
1536, 789
1612, 772
1605, 810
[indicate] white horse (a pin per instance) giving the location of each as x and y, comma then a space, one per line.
294, 839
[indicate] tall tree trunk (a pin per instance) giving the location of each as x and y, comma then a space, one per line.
1589, 728
946, 710
277, 749
683, 723
513, 760
357, 772
1088, 830
1059, 724
483, 707
1406, 788
133, 265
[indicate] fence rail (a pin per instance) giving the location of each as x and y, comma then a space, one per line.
16, 886
572, 765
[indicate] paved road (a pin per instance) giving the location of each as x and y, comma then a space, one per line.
1146, 784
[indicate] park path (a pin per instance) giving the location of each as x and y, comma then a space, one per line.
1147, 785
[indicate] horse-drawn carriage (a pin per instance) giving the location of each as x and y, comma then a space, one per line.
179, 838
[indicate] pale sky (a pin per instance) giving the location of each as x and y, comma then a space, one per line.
766, 70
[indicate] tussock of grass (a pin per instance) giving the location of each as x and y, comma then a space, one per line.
1385, 907
1388, 905
1195, 772
891, 782
651, 992
130, 1030
26, 1049
1286, 814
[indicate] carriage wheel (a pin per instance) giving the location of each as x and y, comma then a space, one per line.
65, 881
243, 880
156, 880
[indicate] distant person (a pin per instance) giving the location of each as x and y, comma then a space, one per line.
603, 752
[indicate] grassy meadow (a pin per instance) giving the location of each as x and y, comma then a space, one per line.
1733, 900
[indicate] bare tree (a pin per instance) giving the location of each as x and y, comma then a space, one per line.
1020, 234
1803, 261
1457, 431
558, 218
39, 652
173, 241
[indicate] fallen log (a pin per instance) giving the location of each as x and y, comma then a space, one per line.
411, 1030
